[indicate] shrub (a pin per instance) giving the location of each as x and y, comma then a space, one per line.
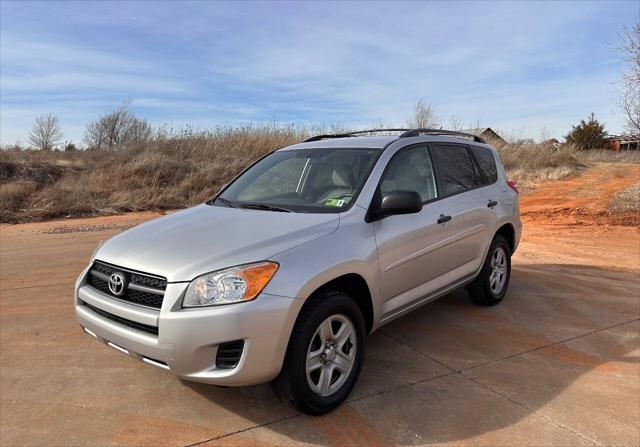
588, 134
626, 200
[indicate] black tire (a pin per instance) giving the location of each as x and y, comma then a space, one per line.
480, 289
292, 385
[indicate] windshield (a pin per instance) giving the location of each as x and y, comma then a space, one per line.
305, 180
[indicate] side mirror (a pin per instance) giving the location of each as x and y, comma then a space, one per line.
399, 202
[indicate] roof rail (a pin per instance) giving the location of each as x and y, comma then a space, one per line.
324, 137
417, 132
406, 133
351, 134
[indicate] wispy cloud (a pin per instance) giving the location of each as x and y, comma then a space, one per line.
514, 65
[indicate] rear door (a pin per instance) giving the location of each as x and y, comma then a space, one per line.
465, 201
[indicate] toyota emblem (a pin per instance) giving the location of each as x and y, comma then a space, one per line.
117, 285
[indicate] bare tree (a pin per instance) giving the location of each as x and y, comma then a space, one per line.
424, 117
629, 99
455, 123
94, 135
139, 130
117, 129
45, 133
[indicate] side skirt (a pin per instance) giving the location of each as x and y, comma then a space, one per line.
427, 299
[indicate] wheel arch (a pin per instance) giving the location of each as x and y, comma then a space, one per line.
508, 232
354, 285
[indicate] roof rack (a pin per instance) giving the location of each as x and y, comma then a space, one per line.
405, 134
351, 134
417, 132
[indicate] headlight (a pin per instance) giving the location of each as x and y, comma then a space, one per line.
233, 285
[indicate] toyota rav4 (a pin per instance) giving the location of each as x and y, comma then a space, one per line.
281, 275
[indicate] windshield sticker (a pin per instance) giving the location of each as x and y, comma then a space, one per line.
334, 202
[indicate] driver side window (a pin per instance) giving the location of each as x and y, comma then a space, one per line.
410, 170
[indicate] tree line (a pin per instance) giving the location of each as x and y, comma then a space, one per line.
120, 128
115, 129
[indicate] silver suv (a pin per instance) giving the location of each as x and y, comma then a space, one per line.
281, 276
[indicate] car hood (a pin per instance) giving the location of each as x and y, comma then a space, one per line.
198, 240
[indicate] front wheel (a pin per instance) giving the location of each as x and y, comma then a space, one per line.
490, 287
325, 354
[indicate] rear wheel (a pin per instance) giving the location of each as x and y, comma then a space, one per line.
491, 285
325, 354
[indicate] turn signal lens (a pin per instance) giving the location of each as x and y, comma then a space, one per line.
257, 277
233, 285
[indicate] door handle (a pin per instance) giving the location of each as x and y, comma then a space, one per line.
443, 219
492, 203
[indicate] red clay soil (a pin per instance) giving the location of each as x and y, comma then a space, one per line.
582, 200
567, 221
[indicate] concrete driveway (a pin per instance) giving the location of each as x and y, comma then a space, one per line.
557, 363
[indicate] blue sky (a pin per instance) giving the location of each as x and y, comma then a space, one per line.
517, 67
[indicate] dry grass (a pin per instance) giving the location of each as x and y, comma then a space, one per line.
172, 171
532, 164
626, 200
179, 170
609, 156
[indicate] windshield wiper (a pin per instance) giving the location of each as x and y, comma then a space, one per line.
224, 201
264, 206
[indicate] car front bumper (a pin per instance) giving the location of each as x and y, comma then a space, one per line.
188, 339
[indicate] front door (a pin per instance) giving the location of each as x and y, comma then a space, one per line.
414, 250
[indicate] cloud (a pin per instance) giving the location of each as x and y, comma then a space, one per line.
513, 64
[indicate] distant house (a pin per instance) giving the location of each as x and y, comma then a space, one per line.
619, 143
487, 133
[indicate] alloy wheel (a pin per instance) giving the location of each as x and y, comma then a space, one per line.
498, 275
331, 355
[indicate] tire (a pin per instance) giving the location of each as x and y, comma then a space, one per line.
308, 392
484, 290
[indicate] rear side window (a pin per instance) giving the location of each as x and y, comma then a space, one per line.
455, 168
487, 163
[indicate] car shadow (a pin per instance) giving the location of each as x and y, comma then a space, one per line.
452, 371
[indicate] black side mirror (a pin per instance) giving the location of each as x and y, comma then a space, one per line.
399, 202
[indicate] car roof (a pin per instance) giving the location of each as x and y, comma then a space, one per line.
375, 142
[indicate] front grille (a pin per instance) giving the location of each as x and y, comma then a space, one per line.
142, 289
229, 354
123, 321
